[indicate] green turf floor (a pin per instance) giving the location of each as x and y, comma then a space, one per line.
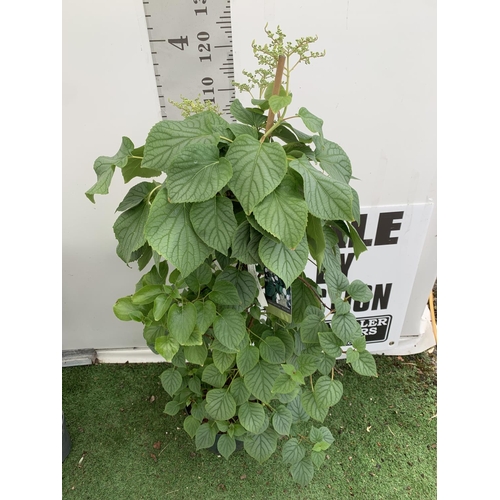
125, 447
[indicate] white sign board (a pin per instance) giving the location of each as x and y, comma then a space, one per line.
394, 237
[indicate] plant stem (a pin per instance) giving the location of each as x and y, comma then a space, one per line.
276, 90
315, 292
155, 189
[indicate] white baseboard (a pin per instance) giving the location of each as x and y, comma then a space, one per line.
406, 346
128, 355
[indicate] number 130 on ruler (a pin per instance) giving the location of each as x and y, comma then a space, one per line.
191, 45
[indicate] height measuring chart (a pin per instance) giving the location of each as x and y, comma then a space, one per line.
191, 45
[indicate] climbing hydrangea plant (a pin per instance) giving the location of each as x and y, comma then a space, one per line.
237, 199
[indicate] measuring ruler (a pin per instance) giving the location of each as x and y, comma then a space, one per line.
191, 45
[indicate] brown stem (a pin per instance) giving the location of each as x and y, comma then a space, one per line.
276, 88
314, 291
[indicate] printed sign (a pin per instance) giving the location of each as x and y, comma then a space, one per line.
394, 236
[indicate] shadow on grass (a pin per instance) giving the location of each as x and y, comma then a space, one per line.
125, 447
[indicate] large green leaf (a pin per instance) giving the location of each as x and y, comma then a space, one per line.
223, 360
213, 377
245, 284
147, 294
196, 338
283, 213
181, 320
277, 102
239, 129
214, 222
282, 420
333, 159
191, 425
220, 404
104, 167
330, 343
194, 384
152, 332
168, 138
365, 365
156, 276
272, 350
345, 327
225, 293
303, 471
359, 343
312, 122
287, 338
161, 305
318, 458
327, 392
239, 391
167, 347
351, 356
172, 408
134, 168
205, 435
326, 198
260, 380
201, 276
297, 410
303, 295
261, 446
170, 233
311, 406
313, 323
251, 416
129, 230
359, 291
336, 280
230, 328
358, 244
171, 380
286, 263
196, 354
126, 310
226, 445
136, 195
307, 363
245, 115
325, 363
293, 452
206, 313
258, 168
197, 174
284, 384
247, 358
245, 244
316, 239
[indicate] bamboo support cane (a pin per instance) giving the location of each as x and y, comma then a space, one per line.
276, 89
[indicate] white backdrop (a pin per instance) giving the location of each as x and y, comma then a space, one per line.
375, 90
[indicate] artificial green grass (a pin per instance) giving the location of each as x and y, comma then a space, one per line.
125, 447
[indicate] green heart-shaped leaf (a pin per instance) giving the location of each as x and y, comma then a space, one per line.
258, 168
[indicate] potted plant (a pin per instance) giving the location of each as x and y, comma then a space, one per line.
244, 203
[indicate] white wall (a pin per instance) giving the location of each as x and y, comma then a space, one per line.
375, 90
109, 91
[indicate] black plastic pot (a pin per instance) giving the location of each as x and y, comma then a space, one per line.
66, 441
213, 448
